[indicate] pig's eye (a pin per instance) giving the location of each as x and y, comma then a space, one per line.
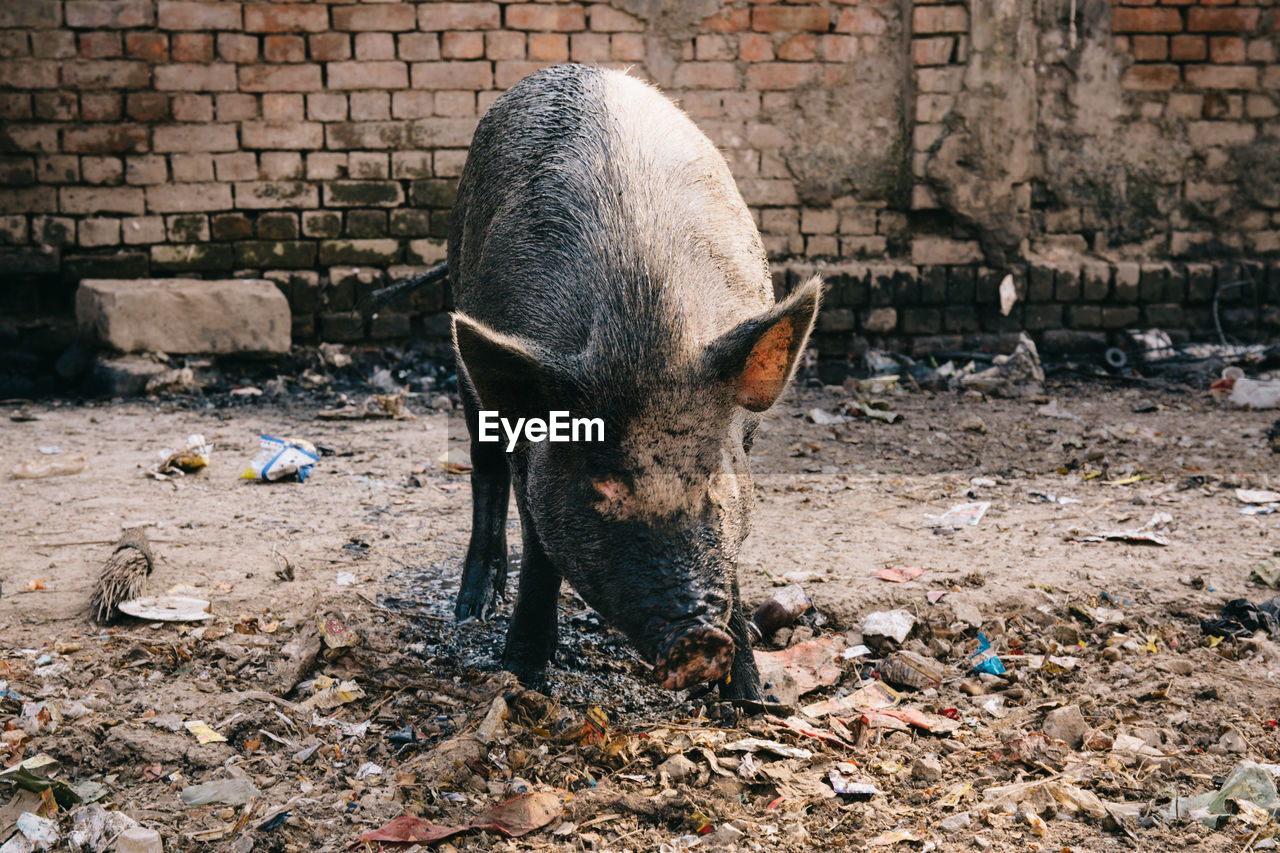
612, 494
749, 436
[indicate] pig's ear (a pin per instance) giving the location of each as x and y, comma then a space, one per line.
509, 374
758, 357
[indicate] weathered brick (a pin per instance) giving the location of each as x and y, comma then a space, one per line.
543, 47
366, 135
101, 200
286, 18
1222, 76
1151, 77
321, 223
774, 19
861, 20
101, 170
727, 21
1150, 48
452, 75
191, 168
363, 194
709, 75
196, 78
434, 193
280, 78
191, 257
285, 254
375, 46
105, 74
98, 232
187, 228
107, 14
30, 15
1120, 317
375, 252
100, 45
17, 171
105, 139
284, 48
459, 16
1151, 19
606, 19
188, 198
537, 17
195, 137
1201, 19
57, 106
386, 17
771, 76
280, 166
368, 75
236, 166
1204, 134
185, 15
366, 223
926, 20
265, 195
932, 51
52, 44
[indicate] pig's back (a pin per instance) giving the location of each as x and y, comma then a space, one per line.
592, 213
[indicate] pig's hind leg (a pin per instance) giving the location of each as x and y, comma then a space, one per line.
531, 636
744, 678
484, 574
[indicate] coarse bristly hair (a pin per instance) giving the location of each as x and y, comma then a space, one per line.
123, 576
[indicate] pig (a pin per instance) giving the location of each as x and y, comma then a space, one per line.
604, 263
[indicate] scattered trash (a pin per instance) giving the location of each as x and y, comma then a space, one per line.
123, 577
1267, 572
55, 466
1008, 295
1257, 496
802, 668
235, 791
40, 831
895, 624
872, 696
824, 418
1242, 618
376, 407
1016, 375
908, 669
167, 608
755, 744
1247, 782
455, 461
203, 733
512, 819
902, 575
960, 515
282, 459
190, 458
139, 840
1053, 410
985, 658
330, 694
1053, 499
781, 610
843, 783
1255, 394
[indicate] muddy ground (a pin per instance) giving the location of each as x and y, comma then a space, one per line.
371, 546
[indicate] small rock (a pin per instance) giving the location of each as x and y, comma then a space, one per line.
926, 768
981, 842
801, 634
955, 823
1066, 724
442, 402
678, 767
1111, 653
973, 423
1233, 741
1142, 405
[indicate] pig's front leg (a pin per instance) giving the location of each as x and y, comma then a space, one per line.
484, 574
531, 637
744, 678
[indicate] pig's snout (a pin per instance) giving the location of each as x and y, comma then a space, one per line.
694, 655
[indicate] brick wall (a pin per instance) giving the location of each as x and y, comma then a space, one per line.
319, 143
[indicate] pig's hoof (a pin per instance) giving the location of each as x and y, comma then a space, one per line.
533, 678
473, 605
701, 654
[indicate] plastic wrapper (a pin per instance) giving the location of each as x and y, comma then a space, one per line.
282, 459
985, 658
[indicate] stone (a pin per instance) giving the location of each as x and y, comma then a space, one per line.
1066, 724
926, 768
123, 377
955, 823
677, 767
184, 315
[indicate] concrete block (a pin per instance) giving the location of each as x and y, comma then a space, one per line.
184, 315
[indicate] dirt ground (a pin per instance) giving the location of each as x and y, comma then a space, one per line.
372, 543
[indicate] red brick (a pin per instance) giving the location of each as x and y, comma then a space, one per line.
281, 135
278, 106
412, 104
192, 47
30, 14
1200, 20
234, 106
368, 75
452, 75
799, 48
626, 47
280, 78
459, 16
775, 19
100, 45
1222, 76
504, 45
189, 15
42, 138
234, 47
191, 107
536, 17
861, 21
375, 46
927, 20
1149, 20
934, 51
464, 45
838, 48
101, 106
13, 44
185, 138
284, 49
34, 74
57, 44
606, 19
1151, 77
768, 76
706, 75
1226, 49
508, 72
105, 139
586, 47
56, 106
15, 105
1188, 48
330, 47
282, 18
455, 103
153, 47
1150, 48
147, 106
100, 15
753, 47
709, 47
728, 21
105, 74
548, 47
382, 17
196, 78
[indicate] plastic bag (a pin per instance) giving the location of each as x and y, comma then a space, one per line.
281, 459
